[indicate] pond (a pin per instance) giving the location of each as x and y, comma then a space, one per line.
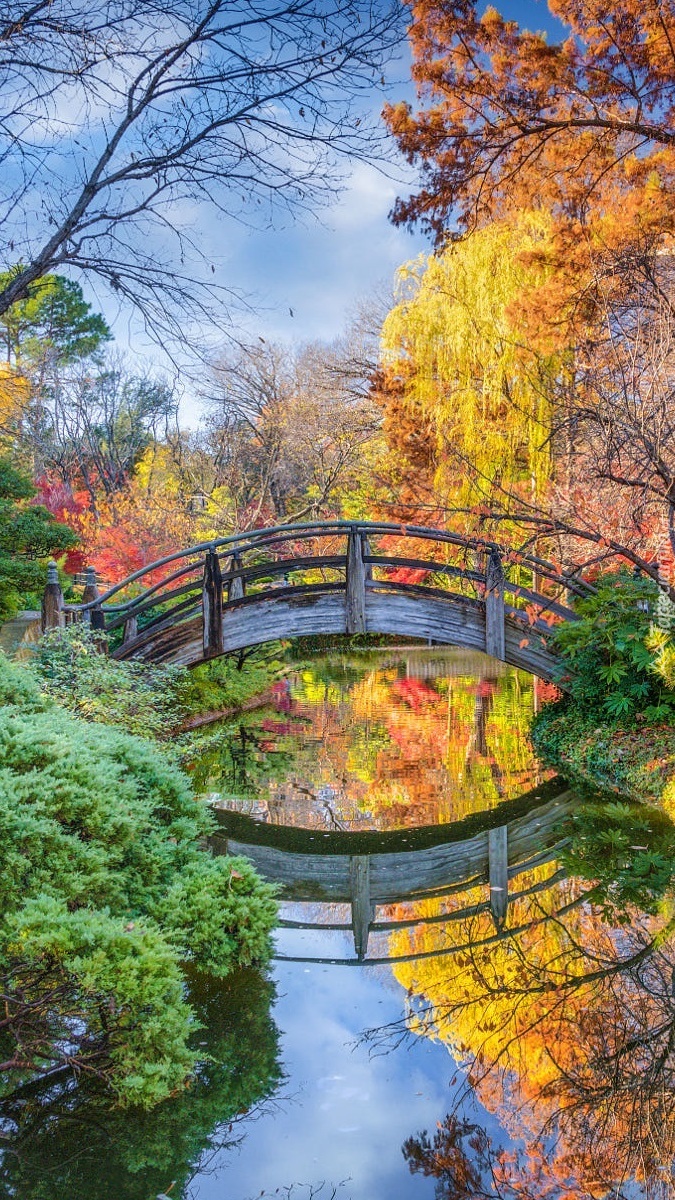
473, 987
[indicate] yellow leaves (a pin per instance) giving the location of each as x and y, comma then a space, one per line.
452, 340
14, 396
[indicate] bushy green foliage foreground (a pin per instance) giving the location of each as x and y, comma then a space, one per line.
72, 667
105, 891
613, 660
614, 728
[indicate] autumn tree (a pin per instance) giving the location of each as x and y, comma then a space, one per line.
507, 117
609, 428
95, 422
288, 431
463, 374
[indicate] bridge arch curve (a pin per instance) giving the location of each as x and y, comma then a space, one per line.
332, 578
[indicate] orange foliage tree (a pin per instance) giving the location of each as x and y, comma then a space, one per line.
508, 116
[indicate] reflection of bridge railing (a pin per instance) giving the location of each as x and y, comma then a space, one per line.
330, 577
322, 867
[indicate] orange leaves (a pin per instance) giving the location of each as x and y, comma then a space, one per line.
524, 112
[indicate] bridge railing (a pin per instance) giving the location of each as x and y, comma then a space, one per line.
348, 556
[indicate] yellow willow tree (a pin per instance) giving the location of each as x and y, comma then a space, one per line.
453, 344
14, 399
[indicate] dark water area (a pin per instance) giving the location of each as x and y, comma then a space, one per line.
473, 989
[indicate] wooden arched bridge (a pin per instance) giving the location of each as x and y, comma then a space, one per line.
330, 577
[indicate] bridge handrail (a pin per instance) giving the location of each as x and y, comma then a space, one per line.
241, 543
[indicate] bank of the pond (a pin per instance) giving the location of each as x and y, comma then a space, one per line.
632, 758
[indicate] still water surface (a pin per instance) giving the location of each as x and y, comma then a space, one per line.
472, 994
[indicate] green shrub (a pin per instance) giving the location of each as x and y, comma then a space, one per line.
104, 892
608, 667
136, 696
28, 534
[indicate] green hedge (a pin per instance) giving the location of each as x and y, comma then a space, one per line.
105, 892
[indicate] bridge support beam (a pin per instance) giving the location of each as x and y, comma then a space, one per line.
494, 606
358, 572
212, 605
363, 909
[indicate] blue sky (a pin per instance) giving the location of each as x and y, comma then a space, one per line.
316, 267
319, 268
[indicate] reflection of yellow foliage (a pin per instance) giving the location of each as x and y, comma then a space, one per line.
371, 696
481, 996
451, 748
544, 1022
317, 692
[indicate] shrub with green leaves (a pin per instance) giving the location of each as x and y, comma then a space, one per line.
142, 698
608, 662
28, 534
105, 892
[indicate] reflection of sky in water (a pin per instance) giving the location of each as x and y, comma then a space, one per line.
346, 1115
419, 739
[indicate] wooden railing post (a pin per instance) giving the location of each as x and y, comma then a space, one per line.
212, 605
89, 594
494, 606
94, 617
130, 630
53, 616
236, 588
498, 869
357, 574
363, 910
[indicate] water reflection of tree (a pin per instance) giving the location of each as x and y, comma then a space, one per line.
566, 1025
401, 749
242, 759
60, 1143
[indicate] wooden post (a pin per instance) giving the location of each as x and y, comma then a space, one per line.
130, 630
498, 868
355, 597
212, 605
90, 589
94, 617
494, 606
363, 910
236, 588
53, 616
90, 593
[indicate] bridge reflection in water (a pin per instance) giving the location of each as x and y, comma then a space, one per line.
371, 870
